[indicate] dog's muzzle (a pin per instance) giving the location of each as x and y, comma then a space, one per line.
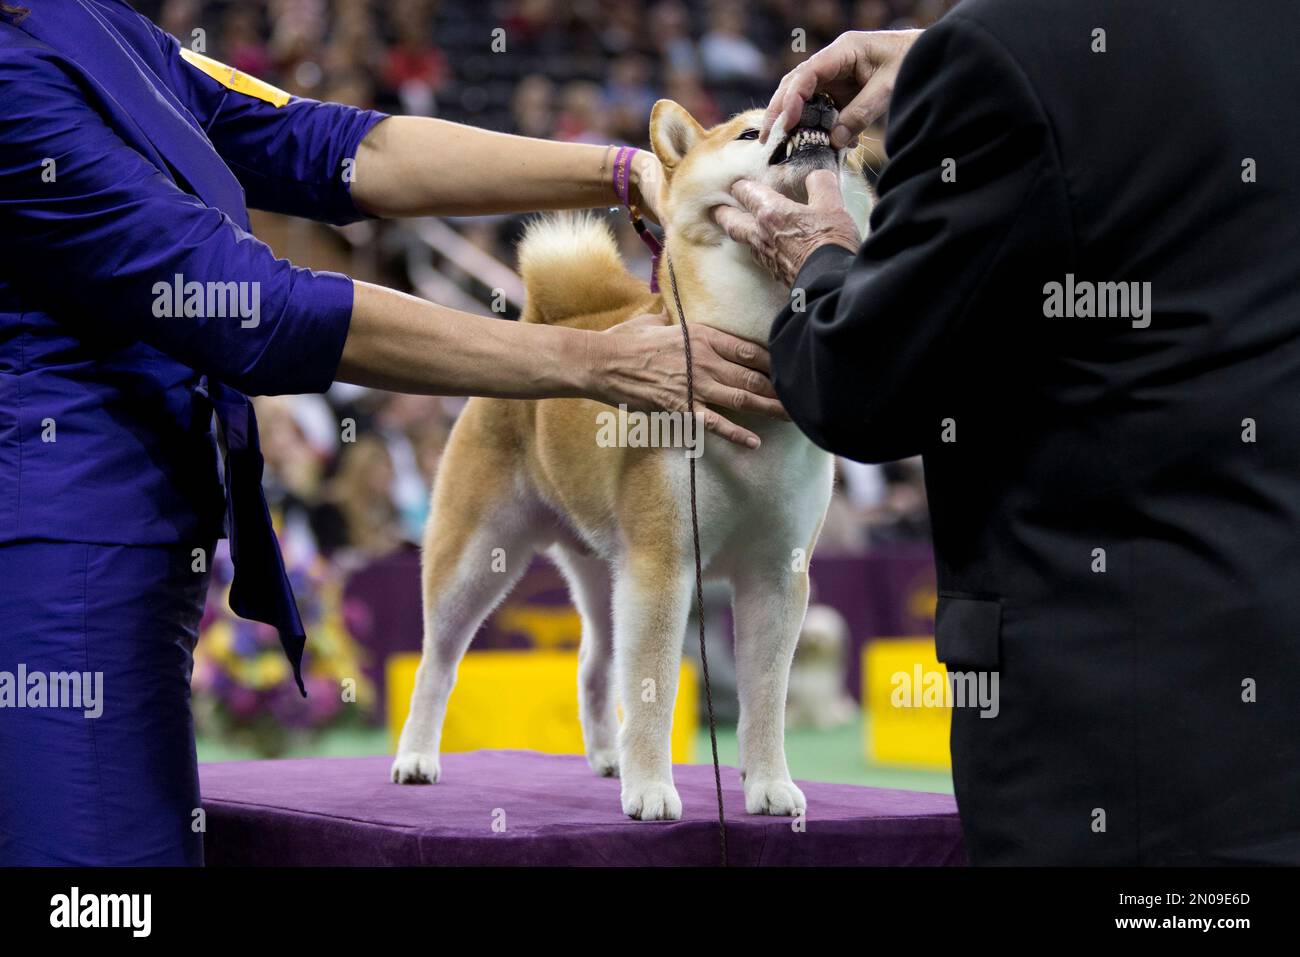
812, 136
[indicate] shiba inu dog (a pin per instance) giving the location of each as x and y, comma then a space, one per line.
520, 477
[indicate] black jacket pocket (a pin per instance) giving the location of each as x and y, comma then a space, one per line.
967, 633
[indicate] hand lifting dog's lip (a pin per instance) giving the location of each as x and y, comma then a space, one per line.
804, 149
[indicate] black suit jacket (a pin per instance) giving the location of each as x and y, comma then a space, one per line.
1116, 509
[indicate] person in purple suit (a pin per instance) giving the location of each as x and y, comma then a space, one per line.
138, 313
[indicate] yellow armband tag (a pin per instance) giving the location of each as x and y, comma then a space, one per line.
232, 79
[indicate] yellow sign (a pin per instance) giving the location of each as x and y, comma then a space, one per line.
908, 720
232, 79
523, 699
546, 627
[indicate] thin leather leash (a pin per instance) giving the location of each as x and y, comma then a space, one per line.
622, 183
699, 572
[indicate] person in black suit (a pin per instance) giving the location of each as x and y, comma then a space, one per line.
1080, 302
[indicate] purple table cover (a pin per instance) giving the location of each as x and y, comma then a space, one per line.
344, 812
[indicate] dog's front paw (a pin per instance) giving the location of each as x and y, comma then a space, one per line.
781, 798
604, 762
652, 801
413, 767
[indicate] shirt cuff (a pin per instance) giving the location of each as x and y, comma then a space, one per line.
310, 338
359, 124
824, 259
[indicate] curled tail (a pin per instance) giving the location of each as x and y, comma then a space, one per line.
571, 266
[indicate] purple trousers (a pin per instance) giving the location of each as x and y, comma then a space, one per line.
97, 760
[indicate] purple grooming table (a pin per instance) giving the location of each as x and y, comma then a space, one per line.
344, 811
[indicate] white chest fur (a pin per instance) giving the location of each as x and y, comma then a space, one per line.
770, 499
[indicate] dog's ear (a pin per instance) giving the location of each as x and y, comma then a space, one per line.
673, 132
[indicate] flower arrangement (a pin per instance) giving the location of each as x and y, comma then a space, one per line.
243, 688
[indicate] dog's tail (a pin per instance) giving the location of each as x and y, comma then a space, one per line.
571, 267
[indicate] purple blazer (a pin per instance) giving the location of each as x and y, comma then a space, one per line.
134, 302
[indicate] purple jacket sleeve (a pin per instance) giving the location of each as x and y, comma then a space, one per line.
100, 243
295, 159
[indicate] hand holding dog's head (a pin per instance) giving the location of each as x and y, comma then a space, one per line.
781, 233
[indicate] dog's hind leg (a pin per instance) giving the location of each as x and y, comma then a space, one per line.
479, 541
591, 587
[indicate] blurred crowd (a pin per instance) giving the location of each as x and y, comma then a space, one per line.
348, 473
572, 69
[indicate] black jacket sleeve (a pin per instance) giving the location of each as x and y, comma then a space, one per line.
973, 183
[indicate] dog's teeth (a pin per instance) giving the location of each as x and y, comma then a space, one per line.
801, 138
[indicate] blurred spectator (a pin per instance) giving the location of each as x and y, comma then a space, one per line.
629, 97
531, 18
926, 12
533, 106
872, 15
622, 28
351, 59
399, 423
181, 18
356, 519
583, 116
241, 41
298, 29
685, 87
823, 20
299, 439
670, 32
729, 55
413, 66
904, 515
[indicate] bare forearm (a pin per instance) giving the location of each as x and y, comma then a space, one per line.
415, 166
404, 344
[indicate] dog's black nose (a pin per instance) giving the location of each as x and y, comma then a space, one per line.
819, 113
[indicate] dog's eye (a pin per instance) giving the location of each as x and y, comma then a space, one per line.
748, 135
